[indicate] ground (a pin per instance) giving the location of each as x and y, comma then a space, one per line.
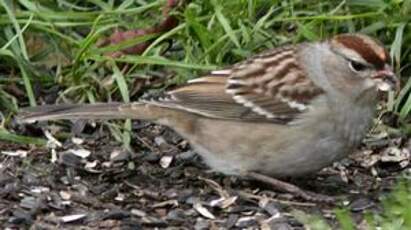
92, 182
86, 51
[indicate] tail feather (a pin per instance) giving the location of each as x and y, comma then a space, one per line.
75, 111
156, 113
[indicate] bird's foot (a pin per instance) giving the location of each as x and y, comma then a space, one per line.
290, 188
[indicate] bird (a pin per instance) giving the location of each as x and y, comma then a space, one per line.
286, 112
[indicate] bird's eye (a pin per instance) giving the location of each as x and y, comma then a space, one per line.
357, 66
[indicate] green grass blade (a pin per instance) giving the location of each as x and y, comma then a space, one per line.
152, 61
27, 84
406, 108
122, 86
121, 82
17, 36
7, 6
7, 136
403, 93
164, 37
395, 52
125, 44
225, 23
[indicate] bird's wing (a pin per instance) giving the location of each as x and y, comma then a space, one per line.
269, 87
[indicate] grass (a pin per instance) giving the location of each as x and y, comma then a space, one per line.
395, 214
208, 36
48, 44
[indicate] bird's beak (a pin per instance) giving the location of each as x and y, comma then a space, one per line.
386, 79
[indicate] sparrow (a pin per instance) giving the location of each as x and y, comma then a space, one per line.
286, 112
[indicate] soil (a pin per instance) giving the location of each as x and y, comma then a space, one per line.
92, 182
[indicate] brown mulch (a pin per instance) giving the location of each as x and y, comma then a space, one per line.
92, 182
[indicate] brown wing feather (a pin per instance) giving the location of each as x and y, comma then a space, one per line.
269, 87
208, 98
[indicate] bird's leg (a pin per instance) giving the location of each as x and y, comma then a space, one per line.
290, 188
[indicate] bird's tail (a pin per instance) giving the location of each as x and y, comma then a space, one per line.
137, 110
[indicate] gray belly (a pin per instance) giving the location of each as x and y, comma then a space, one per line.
302, 154
278, 150
275, 150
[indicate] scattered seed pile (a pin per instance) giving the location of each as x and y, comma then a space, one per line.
94, 183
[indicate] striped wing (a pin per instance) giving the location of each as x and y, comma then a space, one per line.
269, 87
